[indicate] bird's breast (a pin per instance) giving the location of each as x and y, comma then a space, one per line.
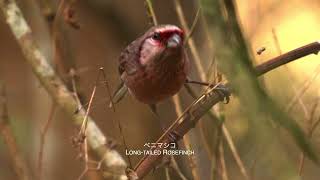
158, 81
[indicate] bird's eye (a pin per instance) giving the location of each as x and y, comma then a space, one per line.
156, 36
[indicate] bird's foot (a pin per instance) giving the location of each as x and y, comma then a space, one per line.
224, 91
220, 88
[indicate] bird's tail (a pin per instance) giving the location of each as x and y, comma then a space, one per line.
119, 94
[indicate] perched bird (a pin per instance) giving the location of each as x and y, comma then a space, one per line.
154, 67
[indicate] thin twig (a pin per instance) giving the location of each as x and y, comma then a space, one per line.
277, 44
176, 168
124, 142
178, 109
43, 134
20, 166
83, 144
74, 88
253, 164
151, 12
276, 41
86, 159
309, 130
314, 126
183, 123
195, 54
85, 120
112, 160
219, 169
303, 89
167, 173
193, 26
206, 32
101, 72
106, 84
224, 172
216, 163
312, 48
194, 51
201, 71
97, 164
61, 47
235, 152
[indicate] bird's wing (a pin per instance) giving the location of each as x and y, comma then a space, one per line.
129, 58
128, 64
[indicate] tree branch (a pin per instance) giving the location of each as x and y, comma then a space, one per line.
43, 134
113, 162
312, 48
203, 104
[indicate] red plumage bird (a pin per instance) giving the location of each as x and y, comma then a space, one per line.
154, 67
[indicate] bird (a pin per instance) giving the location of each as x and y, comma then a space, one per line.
154, 67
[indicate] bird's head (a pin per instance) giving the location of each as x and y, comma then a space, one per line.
161, 42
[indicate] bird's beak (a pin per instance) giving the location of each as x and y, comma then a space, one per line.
174, 41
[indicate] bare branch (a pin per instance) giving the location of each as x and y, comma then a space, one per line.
234, 152
43, 134
151, 12
190, 41
224, 173
167, 174
301, 103
195, 54
312, 48
186, 139
193, 26
310, 127
303, 89
175, 167
113, 162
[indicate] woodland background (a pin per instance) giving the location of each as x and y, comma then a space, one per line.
106, 27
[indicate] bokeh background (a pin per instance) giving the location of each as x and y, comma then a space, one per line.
106, 27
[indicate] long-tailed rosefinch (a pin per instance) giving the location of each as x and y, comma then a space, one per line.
154, 67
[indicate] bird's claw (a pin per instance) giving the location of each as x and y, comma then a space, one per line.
224, 92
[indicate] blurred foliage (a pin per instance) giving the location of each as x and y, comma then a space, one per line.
235, 63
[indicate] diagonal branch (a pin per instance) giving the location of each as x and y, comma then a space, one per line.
312, 48
204, 103
113, 162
